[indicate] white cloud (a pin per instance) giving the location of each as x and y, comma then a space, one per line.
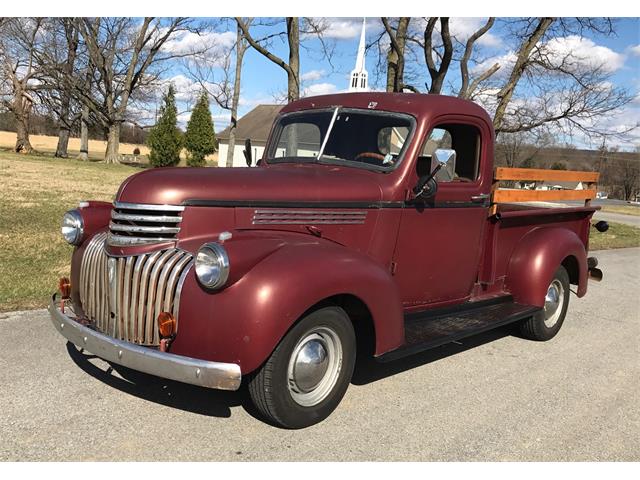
342, 28
319, 89
577, 53
312, 75
346, 28
187, 42
635, 50
582, 52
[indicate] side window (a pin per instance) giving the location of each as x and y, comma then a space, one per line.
465, 140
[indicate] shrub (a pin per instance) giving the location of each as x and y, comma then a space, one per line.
200, 139
165, 140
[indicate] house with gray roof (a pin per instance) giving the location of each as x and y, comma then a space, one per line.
255, 125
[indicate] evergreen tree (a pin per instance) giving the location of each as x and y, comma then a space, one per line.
200, 139
165, 140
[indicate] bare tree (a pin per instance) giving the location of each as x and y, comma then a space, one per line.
127, 55
292, 66
56, 59
396, 53
222, 79
19, 73
468, 87
438, 73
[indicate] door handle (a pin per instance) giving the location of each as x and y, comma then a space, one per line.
479, 198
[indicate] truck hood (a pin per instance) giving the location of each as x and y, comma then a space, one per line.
274, 183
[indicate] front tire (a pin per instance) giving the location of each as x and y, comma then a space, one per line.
546, 324
308, 373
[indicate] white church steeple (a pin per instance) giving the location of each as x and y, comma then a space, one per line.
358, 79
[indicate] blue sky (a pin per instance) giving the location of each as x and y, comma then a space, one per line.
264, 82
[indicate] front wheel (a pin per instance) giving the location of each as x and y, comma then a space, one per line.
546, 324
309, 372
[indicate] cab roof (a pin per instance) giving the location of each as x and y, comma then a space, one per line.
417, 104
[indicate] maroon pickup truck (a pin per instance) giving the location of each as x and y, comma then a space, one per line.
369, 226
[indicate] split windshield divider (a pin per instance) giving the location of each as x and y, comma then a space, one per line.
326, 137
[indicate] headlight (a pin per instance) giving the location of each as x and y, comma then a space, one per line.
212, 265
72, 227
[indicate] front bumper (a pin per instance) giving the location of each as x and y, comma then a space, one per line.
223, 376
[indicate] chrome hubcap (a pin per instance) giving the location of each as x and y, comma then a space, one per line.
553, 303
314, 366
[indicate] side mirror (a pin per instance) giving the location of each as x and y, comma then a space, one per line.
247, 152
446, 158
443, 168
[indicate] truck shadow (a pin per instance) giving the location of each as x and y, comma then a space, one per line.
369, 370
218, 403
190, 398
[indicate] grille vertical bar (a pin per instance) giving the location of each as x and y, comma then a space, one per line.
123, 296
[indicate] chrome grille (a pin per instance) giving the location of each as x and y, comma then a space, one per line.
143, 224
308, 217
123, 296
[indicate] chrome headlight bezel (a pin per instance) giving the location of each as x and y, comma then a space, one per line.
212, 266
72, 227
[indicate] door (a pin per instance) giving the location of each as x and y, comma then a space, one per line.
439, 241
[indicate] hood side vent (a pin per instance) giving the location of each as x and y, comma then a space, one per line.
309, 217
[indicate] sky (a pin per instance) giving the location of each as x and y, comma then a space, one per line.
264, 82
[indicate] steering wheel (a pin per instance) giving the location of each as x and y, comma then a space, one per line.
374, 155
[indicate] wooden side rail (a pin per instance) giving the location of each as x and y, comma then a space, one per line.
512, 195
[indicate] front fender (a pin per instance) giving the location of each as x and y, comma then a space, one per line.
536, 259
244, 322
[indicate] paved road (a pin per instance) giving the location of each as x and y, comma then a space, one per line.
496, 397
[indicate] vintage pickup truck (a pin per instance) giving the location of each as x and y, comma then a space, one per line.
374, 224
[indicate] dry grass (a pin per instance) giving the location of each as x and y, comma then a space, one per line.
35, 193
618, 236
47, 144
624, 209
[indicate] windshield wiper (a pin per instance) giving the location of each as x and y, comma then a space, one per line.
326, 137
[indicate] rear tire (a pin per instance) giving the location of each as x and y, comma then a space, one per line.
547, 323
308, 373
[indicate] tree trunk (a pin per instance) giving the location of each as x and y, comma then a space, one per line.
293, 73
84, 134
113, 144
63, 142
22, 134
241, 47
522, 59
395, 56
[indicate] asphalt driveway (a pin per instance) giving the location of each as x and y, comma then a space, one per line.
494, 397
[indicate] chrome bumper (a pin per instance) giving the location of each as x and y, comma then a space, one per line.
223, 376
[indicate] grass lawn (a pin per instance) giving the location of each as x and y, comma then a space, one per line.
618, 236
624, 209
35, 193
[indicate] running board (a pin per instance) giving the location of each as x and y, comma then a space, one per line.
430, 329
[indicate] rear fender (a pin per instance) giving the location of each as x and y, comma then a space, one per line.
536, 259
244, 322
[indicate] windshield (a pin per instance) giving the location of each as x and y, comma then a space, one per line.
361, 138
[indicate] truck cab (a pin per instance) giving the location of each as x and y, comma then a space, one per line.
368, 227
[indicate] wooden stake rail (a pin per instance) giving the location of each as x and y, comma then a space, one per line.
511, 195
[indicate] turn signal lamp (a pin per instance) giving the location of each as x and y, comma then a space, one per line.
64, 286
166, 324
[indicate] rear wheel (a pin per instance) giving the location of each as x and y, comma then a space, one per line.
546, 324
309, 372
